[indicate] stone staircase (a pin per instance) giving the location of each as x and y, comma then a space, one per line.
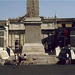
43, 59
46, 58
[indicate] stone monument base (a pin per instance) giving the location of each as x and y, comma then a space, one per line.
43, 59
33, 49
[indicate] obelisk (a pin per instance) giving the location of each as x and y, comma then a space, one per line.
32, 24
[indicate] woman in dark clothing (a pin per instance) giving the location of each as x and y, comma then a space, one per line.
20, 58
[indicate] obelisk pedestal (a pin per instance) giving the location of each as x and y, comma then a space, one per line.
33, 43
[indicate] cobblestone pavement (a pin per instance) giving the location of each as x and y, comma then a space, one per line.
38, 70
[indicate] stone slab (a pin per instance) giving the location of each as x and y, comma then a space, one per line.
33, 48
33, 19
43, 59
72, 54
57, 50
3, 53
33, 34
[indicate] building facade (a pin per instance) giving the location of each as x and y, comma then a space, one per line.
53, 30
15, 29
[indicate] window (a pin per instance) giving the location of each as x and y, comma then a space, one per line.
45, 35
51, 25
17, 36
63, 25
46, 25
17, 25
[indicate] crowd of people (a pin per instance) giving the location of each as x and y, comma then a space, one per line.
19, 58
22, 59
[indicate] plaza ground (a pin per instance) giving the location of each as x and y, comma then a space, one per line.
38, 70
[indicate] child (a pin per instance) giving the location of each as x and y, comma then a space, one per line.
25, 59
16, 58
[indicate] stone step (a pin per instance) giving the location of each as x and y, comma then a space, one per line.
43, 59
33, 48
35, 53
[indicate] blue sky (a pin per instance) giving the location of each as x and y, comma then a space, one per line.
48, 8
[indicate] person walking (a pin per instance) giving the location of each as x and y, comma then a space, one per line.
8, 50
20, 58
67, 58
16, 58
25, 59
